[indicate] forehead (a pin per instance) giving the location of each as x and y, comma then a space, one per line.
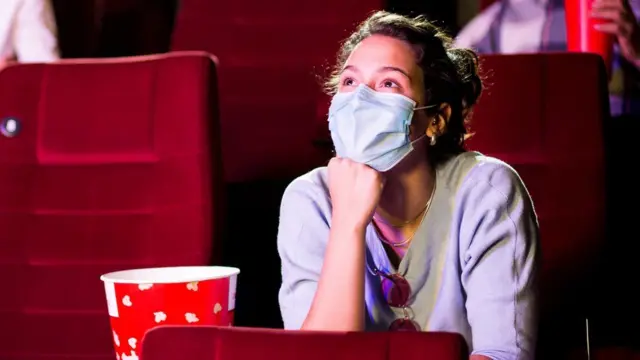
378, 51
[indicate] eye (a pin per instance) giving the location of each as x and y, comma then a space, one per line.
348, 81
388, 83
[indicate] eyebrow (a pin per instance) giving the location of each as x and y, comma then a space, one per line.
381, 70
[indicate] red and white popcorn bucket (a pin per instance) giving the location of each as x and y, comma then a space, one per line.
139, 300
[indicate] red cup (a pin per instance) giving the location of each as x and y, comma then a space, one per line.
581, 34
139, 300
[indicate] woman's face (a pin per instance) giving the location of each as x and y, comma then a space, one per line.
387, 65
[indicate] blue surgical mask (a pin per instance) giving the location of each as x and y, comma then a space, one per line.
371, 127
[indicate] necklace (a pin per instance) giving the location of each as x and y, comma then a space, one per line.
404, 223
407, 240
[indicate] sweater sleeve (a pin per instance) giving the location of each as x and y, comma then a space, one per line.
303, 233
499, 257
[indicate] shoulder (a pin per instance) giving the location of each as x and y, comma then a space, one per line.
308, 195
473, 174
491, 204
305, 216
312, 185
478, 26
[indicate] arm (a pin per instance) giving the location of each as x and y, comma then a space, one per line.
35, 38
478, 27
499, 258
322, 267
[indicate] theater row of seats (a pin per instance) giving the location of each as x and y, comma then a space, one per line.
117, 165
74, 203
126, 163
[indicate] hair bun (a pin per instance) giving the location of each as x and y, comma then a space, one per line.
467, 65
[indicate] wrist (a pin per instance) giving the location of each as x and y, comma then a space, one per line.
345, 225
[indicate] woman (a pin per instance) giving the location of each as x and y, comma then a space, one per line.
404, 230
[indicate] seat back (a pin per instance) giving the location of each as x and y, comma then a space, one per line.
115, 166
543, 114
213, 343
270, 63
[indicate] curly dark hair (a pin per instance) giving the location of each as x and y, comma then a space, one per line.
450, 74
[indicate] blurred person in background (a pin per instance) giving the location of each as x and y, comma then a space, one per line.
530, 26
27, 32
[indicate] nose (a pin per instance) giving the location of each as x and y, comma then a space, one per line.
371, 84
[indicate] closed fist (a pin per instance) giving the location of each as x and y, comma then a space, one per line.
355, 191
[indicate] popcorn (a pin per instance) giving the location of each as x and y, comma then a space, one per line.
132, 342
217, 308
191, 318
126, 301
159, 316
193, 286
144, 287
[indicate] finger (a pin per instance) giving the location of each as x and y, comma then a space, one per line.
611, 28
605, 7
608, 14
615, 3
612, 10
618, 4
615, 22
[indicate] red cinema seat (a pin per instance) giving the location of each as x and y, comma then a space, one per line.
213, 343
271, 54
543, 114
115, 166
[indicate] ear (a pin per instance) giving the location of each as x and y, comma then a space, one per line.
439, 121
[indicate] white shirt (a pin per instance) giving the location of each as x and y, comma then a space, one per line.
521, 27
28, 31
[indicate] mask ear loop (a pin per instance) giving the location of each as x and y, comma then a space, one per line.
432, 140
421, 108
424, 107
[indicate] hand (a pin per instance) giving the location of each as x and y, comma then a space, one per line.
355, 191
4, 62
620, 21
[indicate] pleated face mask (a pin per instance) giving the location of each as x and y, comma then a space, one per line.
371, 127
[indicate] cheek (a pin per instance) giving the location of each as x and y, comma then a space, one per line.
418, 126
